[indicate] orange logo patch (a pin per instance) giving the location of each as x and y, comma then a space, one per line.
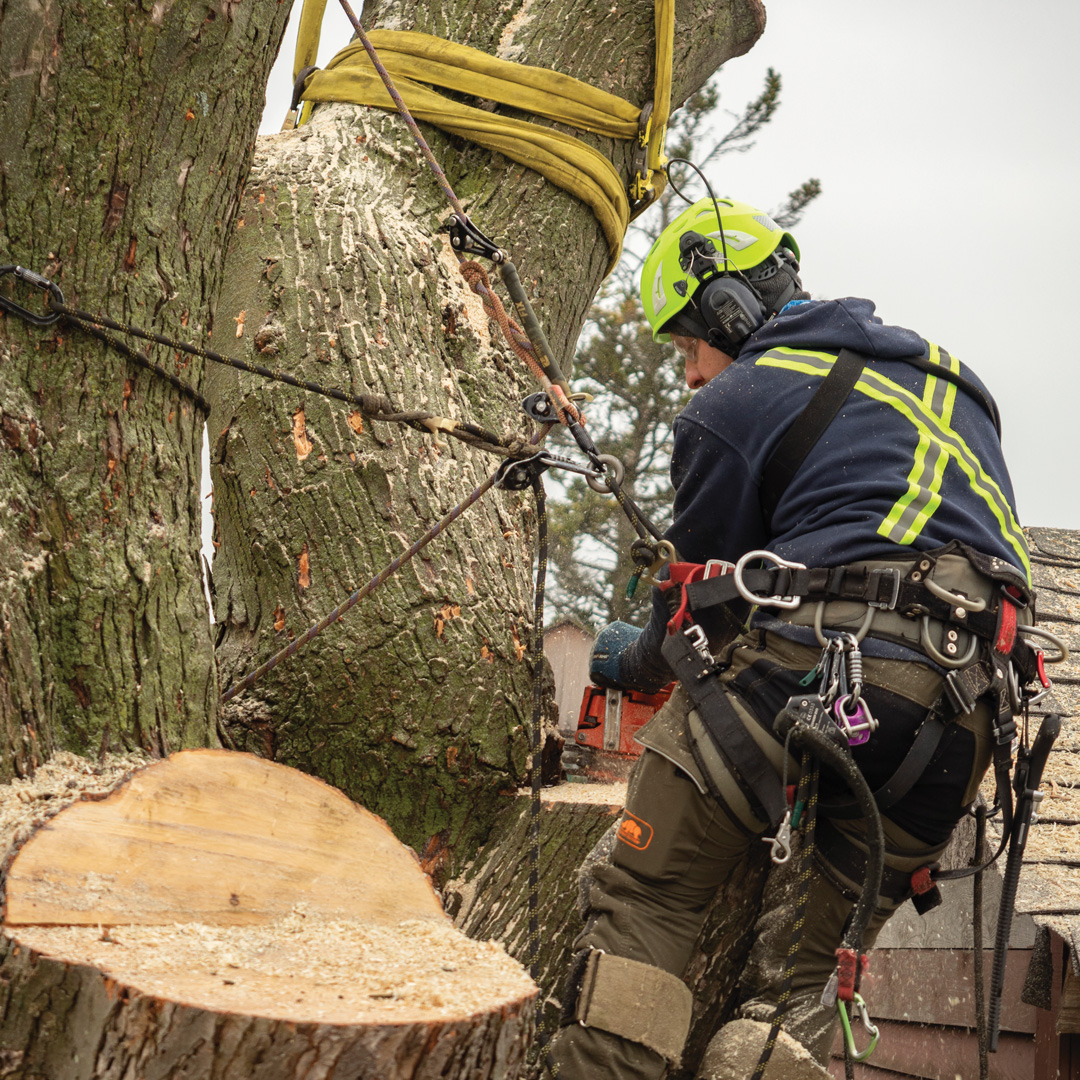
635, 832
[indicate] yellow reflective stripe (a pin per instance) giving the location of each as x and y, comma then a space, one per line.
926, 423
916, 506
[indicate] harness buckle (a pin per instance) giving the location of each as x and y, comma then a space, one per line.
893, 575
789, 603
960, 696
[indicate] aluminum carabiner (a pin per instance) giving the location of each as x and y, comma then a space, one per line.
56, 297
845, 1024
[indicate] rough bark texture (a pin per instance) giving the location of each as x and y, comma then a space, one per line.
65, 1021
125, 132
490, 900
416, 704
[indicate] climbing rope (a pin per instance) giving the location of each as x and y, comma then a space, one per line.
806, 797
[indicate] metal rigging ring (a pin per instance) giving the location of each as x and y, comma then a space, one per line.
616, 467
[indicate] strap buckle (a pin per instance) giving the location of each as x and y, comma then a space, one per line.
789, 603
893, 576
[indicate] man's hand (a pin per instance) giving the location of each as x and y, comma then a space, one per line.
607, 653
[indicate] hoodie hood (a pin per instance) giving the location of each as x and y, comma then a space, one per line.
832, 325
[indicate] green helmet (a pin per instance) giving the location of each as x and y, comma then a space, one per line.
750, 237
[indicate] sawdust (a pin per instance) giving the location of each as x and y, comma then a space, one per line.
62, 780
593, 794
300, 968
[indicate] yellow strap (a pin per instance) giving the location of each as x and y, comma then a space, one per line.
414, 59
307, 35
655, 158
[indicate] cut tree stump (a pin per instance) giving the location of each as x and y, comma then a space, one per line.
214, 915
490, 900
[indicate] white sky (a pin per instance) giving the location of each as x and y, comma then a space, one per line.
941, 133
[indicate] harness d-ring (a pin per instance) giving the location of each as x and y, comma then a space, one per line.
955, 599
789, 603
1038, 631
938, 657
819, 629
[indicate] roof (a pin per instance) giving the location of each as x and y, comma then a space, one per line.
1050, 884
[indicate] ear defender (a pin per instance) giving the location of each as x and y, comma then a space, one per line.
732, 310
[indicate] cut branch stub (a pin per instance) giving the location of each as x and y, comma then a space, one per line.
216, 898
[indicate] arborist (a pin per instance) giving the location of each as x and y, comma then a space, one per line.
841, 482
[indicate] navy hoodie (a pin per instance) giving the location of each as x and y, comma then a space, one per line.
910, 463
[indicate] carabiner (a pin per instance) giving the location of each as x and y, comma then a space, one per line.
39, 282
781, 842
787, 602
845, 1024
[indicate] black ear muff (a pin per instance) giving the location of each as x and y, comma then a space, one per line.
732, 311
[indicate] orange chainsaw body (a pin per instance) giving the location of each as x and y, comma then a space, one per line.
607, 724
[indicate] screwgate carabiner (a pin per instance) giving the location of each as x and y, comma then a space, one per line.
39, 282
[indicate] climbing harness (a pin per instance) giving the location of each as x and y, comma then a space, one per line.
1000, 664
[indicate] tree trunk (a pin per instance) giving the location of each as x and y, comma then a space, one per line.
125, 134
416, 703
217, 915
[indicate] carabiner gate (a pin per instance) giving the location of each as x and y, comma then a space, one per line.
56, 297
845, 1024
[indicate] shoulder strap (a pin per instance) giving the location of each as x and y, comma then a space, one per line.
809, 426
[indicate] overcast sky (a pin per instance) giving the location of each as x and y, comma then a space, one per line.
944, 133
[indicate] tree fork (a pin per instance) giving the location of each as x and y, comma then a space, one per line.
343, 271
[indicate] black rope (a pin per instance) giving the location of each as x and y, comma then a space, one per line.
981, 1026
537, 723
371, 406
810, 771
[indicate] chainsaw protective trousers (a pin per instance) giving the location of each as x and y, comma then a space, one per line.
676, 844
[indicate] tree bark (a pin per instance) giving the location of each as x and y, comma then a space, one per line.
217, 915
125, 134
415, 704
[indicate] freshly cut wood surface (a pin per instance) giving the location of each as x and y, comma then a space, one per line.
216, 837
214, 915
299, 968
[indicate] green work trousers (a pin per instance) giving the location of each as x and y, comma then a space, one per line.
646, 900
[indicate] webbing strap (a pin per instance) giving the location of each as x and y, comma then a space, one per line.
414, 59
725, 727
809, 426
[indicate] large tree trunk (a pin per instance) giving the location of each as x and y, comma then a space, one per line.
416, 704
216, 915
125, 134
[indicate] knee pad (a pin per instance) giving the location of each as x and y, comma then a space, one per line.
630, 1000
736, 1048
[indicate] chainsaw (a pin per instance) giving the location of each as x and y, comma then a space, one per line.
604, 748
